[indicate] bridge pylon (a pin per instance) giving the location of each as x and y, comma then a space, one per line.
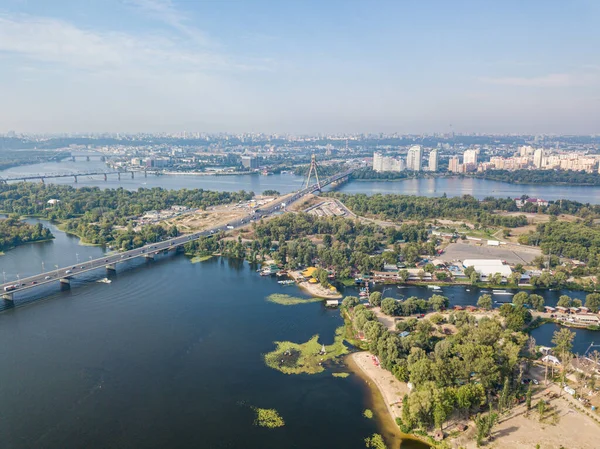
313, 166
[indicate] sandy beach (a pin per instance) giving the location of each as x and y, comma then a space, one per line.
314, 289
391, 389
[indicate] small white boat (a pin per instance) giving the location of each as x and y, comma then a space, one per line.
501, 292
104, 281
434, 287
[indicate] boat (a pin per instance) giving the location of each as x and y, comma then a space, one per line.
468, 289
363, 294
104, 281
434, 287
501, 292
287, 282
266, 272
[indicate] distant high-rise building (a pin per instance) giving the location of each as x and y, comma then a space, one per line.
383, 163
526, 150
470, 157
433, 160
414, 158
538, 158
250, 162
454, 165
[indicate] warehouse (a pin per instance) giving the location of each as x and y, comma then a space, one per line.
488, 267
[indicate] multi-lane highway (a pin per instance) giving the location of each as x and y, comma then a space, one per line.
110, 261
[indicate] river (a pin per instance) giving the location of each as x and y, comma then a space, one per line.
285, 183
167, 355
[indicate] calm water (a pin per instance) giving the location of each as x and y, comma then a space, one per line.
479, 188
167, 355
254, 183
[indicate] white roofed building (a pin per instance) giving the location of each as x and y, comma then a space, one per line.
488, 267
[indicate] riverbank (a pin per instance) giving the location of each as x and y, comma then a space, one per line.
314, 289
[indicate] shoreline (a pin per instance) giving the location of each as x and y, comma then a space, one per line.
315, 289
381, 401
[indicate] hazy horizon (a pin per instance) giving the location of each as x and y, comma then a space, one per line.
299, 67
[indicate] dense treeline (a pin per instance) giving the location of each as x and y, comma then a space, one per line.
107, 216
14, 232
291, 240
405, 207
541, 177
473, 370
577, 240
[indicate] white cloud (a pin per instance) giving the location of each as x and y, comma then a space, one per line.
550, 80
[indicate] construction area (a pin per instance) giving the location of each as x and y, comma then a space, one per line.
327, 209
480, 249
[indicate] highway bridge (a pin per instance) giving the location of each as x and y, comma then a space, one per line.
75, 176
109, 262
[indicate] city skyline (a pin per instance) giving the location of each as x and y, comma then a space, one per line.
302, 68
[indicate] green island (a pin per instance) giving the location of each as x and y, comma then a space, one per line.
340, 375
555, 177
305, 358
368, 413
269, 418
375, 441
14, 232
288, 300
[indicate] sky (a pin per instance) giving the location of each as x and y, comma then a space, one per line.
300, 66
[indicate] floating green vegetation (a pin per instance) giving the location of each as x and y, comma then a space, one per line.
287, 300
201, 258
268, 417
297, 358
375, 441
342, 375
368, 414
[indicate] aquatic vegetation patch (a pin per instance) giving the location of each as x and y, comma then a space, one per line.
268, 417
200, 258
342, 375
375, 441
288, 300
308, 357
368, 414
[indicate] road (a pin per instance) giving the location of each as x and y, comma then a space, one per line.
109, 261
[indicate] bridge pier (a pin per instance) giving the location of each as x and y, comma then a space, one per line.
131, 175
7, 296
105, 177
87, 158
66, 281
75, 176
111, 267
145, 174
73, 158
149, 256
119, 174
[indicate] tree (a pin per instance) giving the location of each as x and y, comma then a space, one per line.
429, 267
564, 301
537, 302
474, 277
350, 302
563, 343
485, 302
469, 271
592, 302
520, 299
528, 399
541, 407
375, 299
438, 302
496, 279
389, 306
403, 275
327, 240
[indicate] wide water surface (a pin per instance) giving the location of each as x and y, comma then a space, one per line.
453, 186
167, 355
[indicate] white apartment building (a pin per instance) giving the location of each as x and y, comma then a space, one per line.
414, 158
383, 163
454, 165
433, 160
470, 157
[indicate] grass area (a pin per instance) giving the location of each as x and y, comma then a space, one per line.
341, 375
200, 258
368, 414
268, 417
288, 300
347, 282
298, 358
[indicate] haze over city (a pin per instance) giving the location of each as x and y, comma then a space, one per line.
299, 67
